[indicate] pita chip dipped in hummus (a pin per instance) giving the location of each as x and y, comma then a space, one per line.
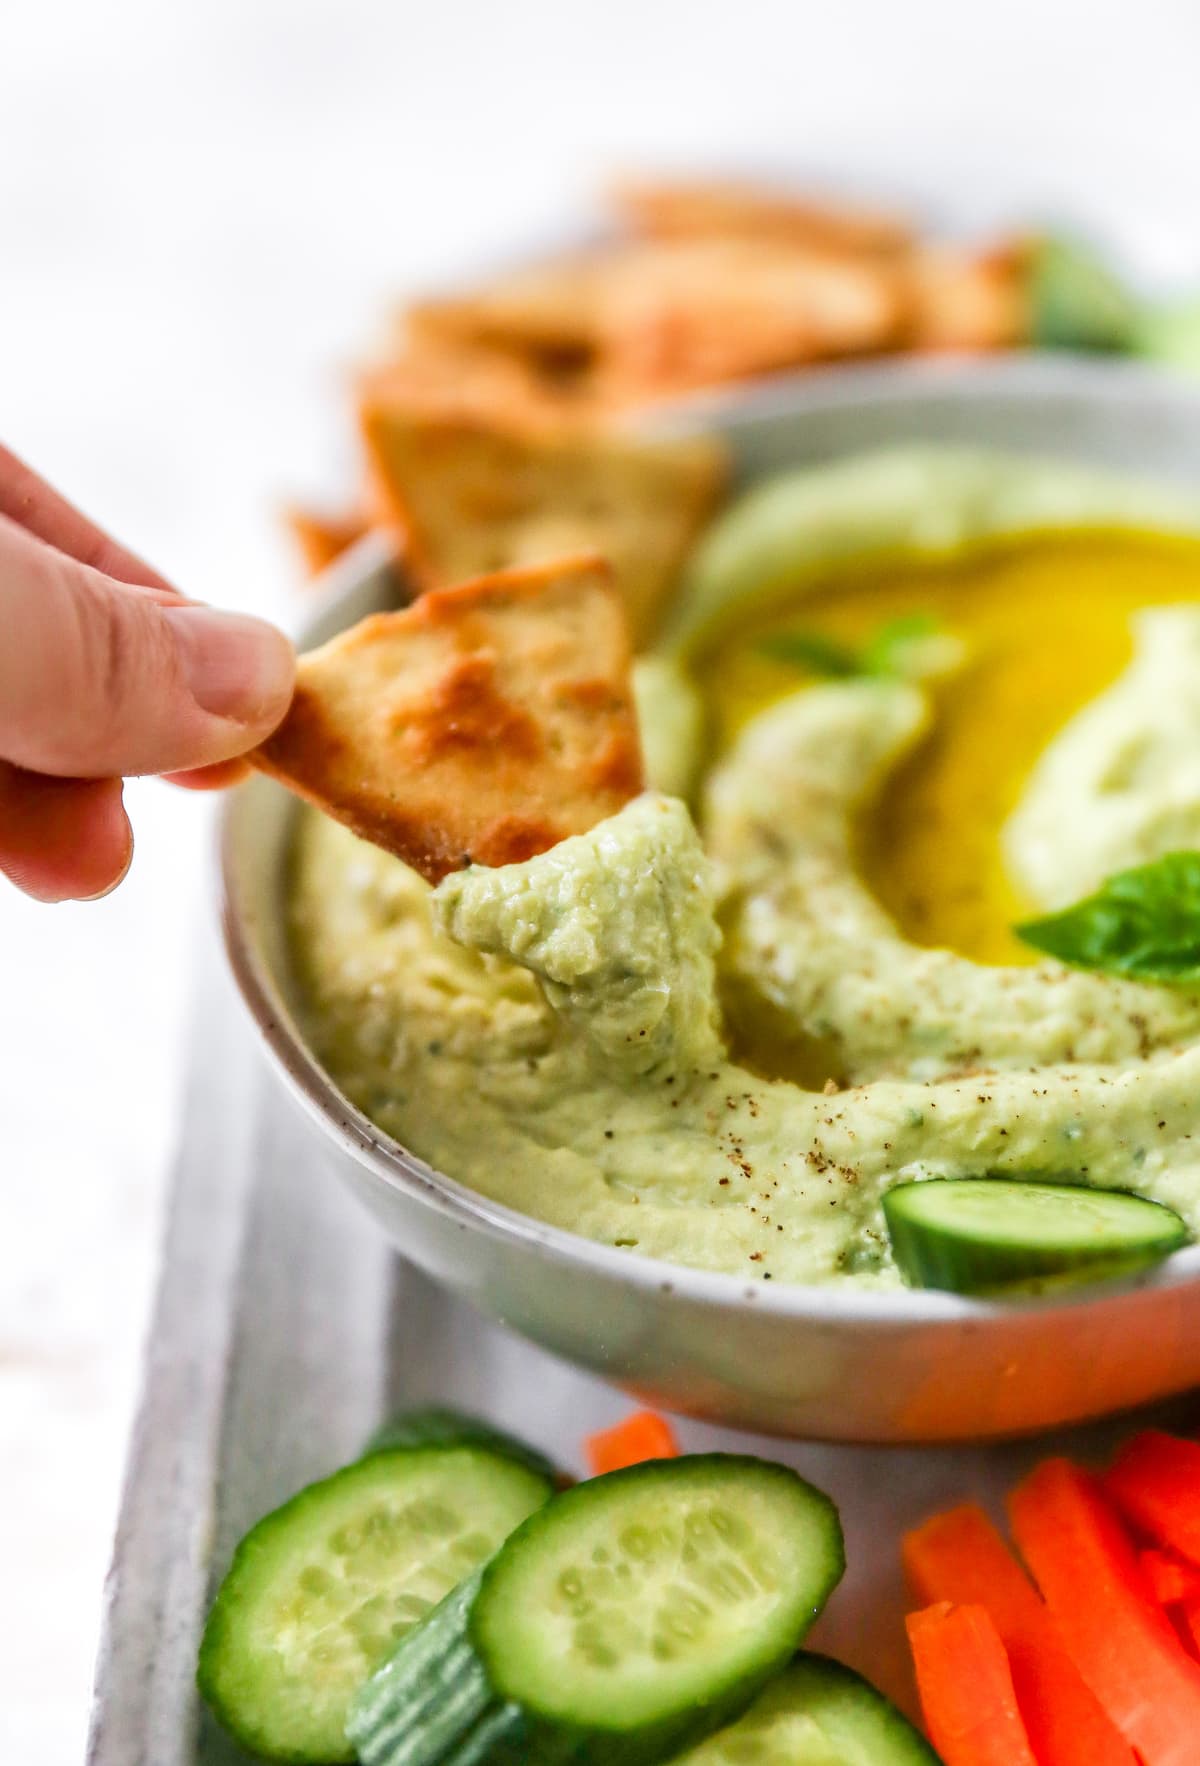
480, 725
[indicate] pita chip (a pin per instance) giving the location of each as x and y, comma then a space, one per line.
699, 312
548, 312
472, 377
321, 536
969, 300
482, 724
648, 318
700, 209
471, 495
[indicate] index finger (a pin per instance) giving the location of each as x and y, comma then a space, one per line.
34, 505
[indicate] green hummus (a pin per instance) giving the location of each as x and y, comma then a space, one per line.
553, 1034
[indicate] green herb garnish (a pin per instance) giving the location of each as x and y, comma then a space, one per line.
815, 652
1143, 924
887, 651
1077, 301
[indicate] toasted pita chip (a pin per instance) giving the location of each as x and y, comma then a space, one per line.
703, 311
665, 210
651, 318
964, 300
471, 496
548, 312
481, 725
322, 536
465, 376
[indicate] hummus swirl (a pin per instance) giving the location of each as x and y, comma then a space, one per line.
806, 936
1128, 766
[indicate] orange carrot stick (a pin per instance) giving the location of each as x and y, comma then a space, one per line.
1189, 1623
966, 1688
1121, 1642
644, 1435
1170, 1580
1155, 1482
960, 1557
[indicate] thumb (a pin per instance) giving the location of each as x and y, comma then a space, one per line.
98, 680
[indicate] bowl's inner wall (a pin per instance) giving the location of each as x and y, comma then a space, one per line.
1111, 415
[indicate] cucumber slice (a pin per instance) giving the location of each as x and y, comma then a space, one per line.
320, 1592
437, 1426
632, 1617
975, 1234
816, 1713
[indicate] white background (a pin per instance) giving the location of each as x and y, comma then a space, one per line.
203, 210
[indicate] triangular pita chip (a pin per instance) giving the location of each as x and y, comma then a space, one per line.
471, 495
697, 312
322, 536
548, 311
645, 319
465, 376
969, 300
697, 210
482, 724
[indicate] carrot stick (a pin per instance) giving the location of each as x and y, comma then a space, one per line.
644, 1435
1189, 1622
960, 1557
1121, 1642
966, 1688
1155, 1482
1169, 1579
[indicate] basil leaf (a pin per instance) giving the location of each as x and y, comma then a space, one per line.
814, 651
1143, 924
882, 654
1076, 301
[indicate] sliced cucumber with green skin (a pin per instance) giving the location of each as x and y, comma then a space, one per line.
816, 1713
320, 1592
630, 1618
976, 1235
437, 1426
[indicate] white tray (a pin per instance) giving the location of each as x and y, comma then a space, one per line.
283, 1331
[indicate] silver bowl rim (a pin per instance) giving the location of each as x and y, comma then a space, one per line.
1021, 374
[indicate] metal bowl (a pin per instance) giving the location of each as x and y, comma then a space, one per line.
800, 1361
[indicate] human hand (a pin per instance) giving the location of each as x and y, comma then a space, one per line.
107, 671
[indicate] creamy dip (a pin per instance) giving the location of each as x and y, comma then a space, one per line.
714, 1034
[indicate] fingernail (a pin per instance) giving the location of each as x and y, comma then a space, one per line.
117, 880
235, 666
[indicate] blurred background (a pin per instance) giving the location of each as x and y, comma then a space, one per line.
205, 212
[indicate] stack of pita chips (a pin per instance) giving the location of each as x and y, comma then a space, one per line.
699, 285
